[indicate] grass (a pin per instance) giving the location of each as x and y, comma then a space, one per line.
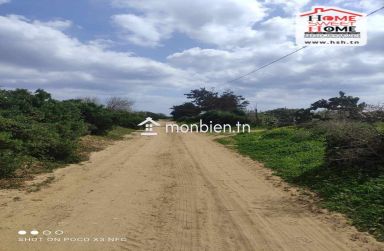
118, 133
94, 143
281, 148
297, 155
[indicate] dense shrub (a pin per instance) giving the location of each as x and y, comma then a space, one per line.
127, 119
9, 161
281, 117
353, 144
98, 119
35, 126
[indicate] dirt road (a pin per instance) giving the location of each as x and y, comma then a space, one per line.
167, 192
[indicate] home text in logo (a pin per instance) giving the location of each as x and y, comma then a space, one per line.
331, 26
149, 123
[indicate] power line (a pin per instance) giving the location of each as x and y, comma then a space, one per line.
266, 65
285, 56
373, 12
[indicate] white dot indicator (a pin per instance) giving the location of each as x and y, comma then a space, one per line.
59, 232
22, 232
34, 232
47, 232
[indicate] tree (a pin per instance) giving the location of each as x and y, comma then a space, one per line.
204, 99
282, 116
41, 96
346, 106
230, 102
119, 104
185, 110
303, 116
210, 100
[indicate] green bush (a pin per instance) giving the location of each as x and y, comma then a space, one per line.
126, 119
9, 160
36, 127
9, 163
280, 117
352, 144
98, 119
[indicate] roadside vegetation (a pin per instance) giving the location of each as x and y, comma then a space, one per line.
39, 133
335, 148
209, 105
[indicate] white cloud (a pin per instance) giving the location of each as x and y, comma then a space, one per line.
56, 24
291, 7
38, 55
296, 81
363, 6
221, 22
142, 31
375, 24
23, 41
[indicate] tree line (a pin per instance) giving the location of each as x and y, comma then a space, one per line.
209, 105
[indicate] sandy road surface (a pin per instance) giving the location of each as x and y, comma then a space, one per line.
168, 192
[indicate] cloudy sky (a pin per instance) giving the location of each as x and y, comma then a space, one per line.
153, 51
